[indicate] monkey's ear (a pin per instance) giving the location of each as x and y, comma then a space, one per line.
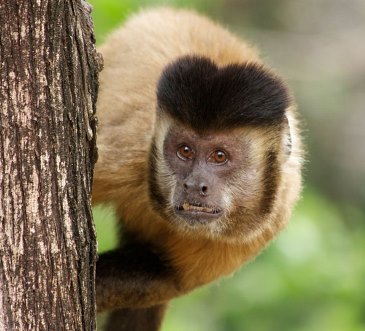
286, 138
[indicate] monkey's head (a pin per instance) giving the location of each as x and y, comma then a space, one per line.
221, 141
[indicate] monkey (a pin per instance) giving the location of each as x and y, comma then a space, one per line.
200, 154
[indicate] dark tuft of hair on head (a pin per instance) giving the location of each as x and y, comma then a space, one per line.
199, 94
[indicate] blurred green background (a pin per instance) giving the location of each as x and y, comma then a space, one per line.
312, 278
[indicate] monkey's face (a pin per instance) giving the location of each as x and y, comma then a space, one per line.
202, 165
214, 183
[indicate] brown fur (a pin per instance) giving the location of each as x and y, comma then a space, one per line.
135, 56
136, 319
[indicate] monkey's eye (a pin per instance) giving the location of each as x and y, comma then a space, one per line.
218, 157
184, 152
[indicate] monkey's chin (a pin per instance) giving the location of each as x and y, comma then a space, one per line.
195, 218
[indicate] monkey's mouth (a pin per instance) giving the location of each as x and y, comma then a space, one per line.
197, 207
197, 212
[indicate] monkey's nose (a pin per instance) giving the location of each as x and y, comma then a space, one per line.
200, 188
203, 189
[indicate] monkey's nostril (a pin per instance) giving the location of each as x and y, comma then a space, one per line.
185, 186
204, 189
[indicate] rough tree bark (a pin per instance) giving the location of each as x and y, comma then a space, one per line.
48, 87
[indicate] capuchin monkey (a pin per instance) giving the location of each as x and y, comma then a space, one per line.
200, 154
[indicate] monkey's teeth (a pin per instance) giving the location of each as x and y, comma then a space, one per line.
188, 207
185, 206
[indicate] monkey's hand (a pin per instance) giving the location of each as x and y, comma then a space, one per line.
135, 276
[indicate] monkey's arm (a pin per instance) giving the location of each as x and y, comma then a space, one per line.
140, 319
134, 276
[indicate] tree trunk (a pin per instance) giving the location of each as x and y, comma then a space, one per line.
48, 87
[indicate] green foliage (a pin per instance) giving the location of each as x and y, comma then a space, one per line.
108, 14
106, 228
